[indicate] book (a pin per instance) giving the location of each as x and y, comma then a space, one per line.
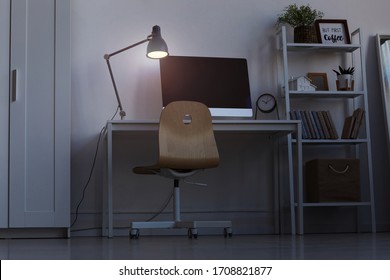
318, 124
314, 124
358, 114
330, 125
348, 126
323, 124
294, 115
305, 124
309, 122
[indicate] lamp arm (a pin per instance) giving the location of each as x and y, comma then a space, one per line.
121, 112
107, 58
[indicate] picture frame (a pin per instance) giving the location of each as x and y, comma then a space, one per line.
332, 31
320, 80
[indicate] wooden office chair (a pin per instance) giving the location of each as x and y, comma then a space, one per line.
186, 145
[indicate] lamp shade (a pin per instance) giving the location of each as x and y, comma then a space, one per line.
157, 48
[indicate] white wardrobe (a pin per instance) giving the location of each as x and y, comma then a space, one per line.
35, 138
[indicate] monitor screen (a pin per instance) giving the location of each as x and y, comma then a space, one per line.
220, 83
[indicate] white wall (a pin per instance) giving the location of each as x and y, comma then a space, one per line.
230, 28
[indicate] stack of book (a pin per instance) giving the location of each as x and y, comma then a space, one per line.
315, 124
352, 124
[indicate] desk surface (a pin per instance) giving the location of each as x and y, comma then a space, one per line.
266, 126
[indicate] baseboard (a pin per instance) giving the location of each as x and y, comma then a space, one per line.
8, 233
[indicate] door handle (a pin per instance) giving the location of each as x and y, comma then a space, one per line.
14, 82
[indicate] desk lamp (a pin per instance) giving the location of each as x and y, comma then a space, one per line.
157, 48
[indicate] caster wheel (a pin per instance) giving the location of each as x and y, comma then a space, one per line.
227, 232
192, 233
134, 233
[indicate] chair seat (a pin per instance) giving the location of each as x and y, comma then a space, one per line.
147, 170
165, 172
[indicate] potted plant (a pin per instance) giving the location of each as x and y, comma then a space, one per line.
302, 19
345, 78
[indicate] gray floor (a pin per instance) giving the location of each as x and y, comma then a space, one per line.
272, 247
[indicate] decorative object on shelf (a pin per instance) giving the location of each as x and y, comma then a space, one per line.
302, 19
301, 83
266, 103
320, 80
332, 31
333, 180
345, 78
157, 48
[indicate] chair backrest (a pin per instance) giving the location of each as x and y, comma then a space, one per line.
186, 137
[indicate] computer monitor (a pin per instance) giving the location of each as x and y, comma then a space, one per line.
220, 83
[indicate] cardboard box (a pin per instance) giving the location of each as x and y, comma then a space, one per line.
333, 180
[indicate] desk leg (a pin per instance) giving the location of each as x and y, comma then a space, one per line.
291, 184
104, 188
107, 194
299, 181
278, 217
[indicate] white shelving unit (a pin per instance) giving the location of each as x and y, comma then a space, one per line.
361, 147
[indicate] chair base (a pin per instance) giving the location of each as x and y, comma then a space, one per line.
192, 226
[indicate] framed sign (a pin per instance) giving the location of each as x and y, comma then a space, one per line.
320, 80
332, 31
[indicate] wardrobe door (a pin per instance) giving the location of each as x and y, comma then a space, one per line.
4, 114
39, 114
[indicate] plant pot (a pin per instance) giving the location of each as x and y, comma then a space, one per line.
305, 34
345, 82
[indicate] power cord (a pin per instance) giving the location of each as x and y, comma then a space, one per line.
165, 205
102, 131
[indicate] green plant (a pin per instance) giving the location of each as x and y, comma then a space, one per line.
296, 16
345, 71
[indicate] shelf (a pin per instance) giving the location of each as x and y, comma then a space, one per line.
322, 47
332, 204
325, 94
332, 141
309, 100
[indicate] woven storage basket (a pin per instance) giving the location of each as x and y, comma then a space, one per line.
305, 34
331, 180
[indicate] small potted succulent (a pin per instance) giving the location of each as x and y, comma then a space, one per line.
302, 19
345, 78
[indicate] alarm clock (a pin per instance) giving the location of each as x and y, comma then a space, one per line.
266, 103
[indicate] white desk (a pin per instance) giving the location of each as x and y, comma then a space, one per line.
282, 128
